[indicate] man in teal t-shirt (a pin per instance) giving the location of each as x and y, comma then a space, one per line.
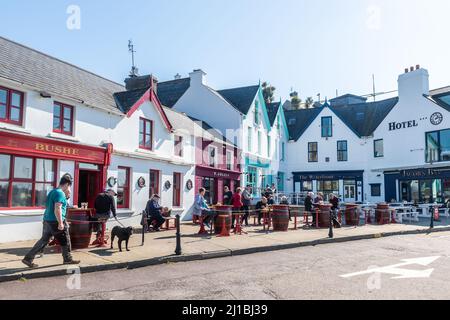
54, 224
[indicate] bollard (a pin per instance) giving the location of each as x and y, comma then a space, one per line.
432, 220
330, 233
144, 225
178, 248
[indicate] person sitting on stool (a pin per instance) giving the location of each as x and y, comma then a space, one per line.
201, 208
104, 205
154, 212
260, 206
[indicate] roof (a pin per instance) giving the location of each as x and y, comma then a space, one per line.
441, 97
170, 92
272, 111
212, 131
241, 98
127, 99
179, 120
24, 65
362, 118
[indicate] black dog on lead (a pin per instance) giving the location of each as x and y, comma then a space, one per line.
123, 234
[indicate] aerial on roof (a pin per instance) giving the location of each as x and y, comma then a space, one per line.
362, 118
27, 66
240, 98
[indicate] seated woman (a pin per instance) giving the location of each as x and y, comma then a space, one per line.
260, 206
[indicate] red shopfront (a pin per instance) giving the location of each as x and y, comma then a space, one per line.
214, 180
31, 166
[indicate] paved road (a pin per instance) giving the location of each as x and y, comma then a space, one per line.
304, 273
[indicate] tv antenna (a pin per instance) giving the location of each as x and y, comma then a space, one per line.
134, 69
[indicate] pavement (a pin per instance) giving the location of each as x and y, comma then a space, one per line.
159, 248
413, 267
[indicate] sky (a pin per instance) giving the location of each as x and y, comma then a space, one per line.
310, 46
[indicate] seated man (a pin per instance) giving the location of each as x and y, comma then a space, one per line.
154, 212
104, 206
201, 208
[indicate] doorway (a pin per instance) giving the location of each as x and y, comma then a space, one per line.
349, 193
88, 187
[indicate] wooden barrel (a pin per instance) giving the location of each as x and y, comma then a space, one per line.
324, 215
382, 213
223, 216
351, 214
80, 228
280, 218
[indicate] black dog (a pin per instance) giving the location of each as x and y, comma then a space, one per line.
122, 234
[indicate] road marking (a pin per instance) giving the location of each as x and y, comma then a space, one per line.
398, 271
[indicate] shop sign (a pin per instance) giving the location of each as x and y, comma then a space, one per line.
420, 173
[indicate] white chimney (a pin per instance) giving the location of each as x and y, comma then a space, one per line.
198, 76
414, 82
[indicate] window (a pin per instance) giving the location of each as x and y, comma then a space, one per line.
278, 122
375, 190
276, 149
328, 186
178, 146
342, 152
154, 182
252, 178
249, 139
230, 161
259, 142
25, 182
313, 152
438, 146
378, 149
145, 134
11, 106
269, 147
177, 189
280, 179
123, 188
283, 151
62, 118
307, 186
212, 156
256, 113
327, 127
292, 121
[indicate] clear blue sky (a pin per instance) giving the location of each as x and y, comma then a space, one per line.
311, 45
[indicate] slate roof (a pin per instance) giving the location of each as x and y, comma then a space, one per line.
214, 132
272, 111
170, 92
127, 99
362, 118
441, 97
240, 98
179, 120
43, 72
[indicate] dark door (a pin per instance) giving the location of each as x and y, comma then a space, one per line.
88, 187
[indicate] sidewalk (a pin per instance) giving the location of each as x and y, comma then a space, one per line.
160, 247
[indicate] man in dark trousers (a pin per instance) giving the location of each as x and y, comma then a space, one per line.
309, 206
227, 196
153, 211
105, 205
55, 224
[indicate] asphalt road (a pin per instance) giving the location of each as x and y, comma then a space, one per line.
304, 273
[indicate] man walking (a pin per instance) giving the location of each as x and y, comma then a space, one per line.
54, 224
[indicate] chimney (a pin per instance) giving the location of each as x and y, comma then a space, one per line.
413, 83
155, 84
198, 76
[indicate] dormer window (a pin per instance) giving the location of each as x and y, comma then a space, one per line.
145, 134
292, 121
327, 127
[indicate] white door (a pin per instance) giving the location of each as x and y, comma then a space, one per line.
349, 193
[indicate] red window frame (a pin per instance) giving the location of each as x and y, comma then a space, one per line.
8, 106
33, 181
126, 189
144, 136
177, 189
178, 146
154, 184
61, 117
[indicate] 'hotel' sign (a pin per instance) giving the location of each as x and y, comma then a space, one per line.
402, 125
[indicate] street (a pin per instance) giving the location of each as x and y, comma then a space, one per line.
336, 271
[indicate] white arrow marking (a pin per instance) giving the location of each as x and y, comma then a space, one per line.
402, 273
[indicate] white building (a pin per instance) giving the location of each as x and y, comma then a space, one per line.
56, 118
375, 151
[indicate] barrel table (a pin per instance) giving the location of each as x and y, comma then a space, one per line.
80, 227
351, 214
280, 218
382, 213
324, 215
222, 221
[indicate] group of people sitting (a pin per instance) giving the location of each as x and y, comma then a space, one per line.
313, 202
